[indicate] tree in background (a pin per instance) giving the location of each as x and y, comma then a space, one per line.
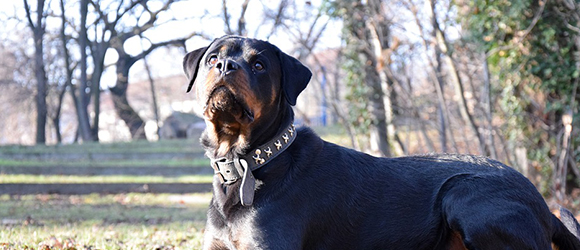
465, 73
118, 34
366, 34
532, 51
38, 27
83, 115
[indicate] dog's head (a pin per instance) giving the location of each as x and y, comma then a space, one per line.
242, 84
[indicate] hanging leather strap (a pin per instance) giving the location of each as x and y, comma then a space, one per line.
240, 168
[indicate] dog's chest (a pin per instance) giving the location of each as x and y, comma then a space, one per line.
238, 232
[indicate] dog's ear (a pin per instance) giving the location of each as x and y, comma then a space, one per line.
295, 77
191, 65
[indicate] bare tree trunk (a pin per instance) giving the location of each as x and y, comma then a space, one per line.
119, 94
488, 108
562, 164
334, 103
124, 63
564, 158
67, 64
98, 51
228, 30
278, 17
444, 114
455, 79
83, 119
56, 117
68, 83
153, 95
561, 172
241, 31
242, 20
96, 91
436, 78
41, 108
415, 111
379, 33
309, 41
379, 144
441, 111
38, 29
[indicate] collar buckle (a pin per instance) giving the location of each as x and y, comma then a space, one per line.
230, 171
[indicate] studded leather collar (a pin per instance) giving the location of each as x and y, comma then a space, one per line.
241, 167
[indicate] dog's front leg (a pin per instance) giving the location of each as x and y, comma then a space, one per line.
210, 242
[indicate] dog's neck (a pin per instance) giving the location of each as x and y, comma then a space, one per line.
219, 144
248, 152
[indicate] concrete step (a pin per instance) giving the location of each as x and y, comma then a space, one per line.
113, 170
103, 188
88, 156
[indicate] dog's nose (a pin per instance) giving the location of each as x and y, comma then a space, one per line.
226, 66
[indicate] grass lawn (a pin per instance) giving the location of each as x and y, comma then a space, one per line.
120, 221
124, 221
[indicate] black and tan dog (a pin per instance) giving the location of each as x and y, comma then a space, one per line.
281, 188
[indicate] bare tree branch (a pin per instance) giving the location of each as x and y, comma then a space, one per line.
226, 17
242, 20
278, 17
154, 46
28, 14
149, 24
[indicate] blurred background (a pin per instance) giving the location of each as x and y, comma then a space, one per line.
95, 89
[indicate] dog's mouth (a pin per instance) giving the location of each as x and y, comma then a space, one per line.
223, 106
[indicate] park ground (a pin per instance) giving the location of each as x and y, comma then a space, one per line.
126, 219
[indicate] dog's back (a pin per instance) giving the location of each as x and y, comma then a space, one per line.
485, 203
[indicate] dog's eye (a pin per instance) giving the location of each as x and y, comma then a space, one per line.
258, 66
212, 60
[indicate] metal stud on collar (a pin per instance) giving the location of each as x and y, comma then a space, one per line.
258, 158
268, 152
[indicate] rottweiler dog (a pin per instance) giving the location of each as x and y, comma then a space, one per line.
278, 187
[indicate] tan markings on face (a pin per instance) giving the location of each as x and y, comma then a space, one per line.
228, 133
205, 89
223, 49
274, 94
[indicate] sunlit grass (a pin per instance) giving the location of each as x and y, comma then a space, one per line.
124, 221
174, 235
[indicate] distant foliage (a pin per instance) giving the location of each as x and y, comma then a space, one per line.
354, 64
358, 113
531, 54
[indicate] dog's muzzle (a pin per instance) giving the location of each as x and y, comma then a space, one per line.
223, 105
